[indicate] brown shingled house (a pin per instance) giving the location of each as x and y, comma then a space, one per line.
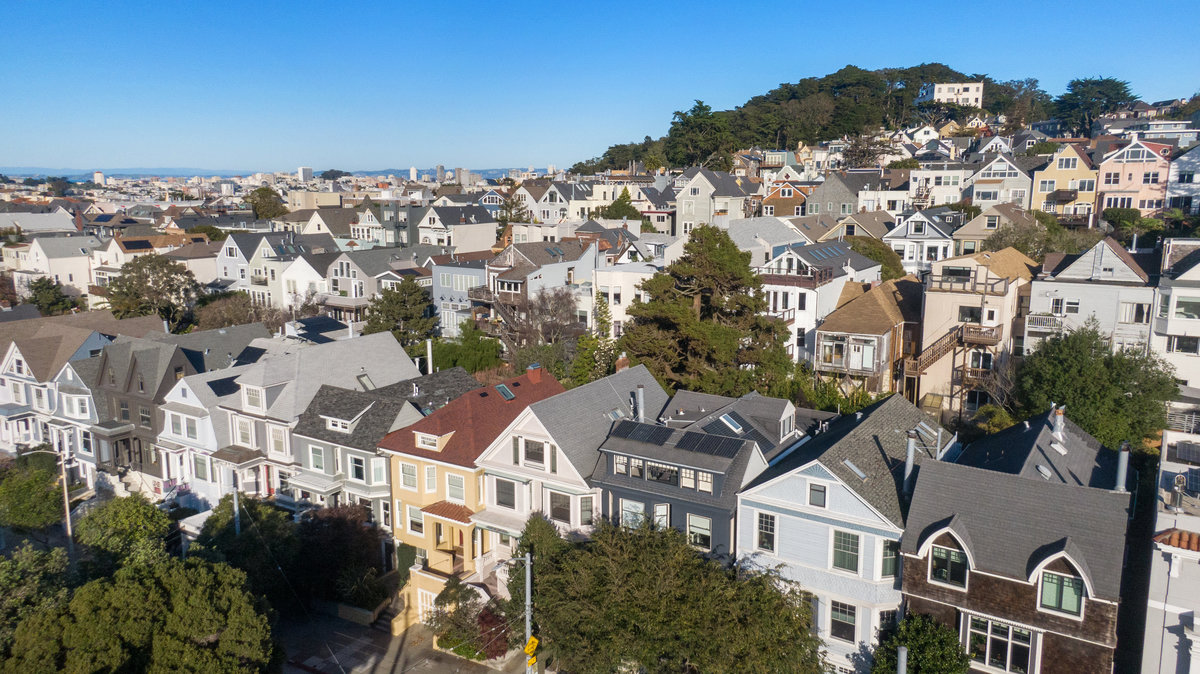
863, 342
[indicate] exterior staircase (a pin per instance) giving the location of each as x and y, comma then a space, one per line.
967, 333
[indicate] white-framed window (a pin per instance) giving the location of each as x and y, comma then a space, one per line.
845, 551
278, 440
385, 513
889, 559
687, 478
176, 425
560, 507
704, 482
245, 432
427, 441
765, 539
358, 469
948, 566
506, 494
699, 531
817, 495
408, 476
337, 425
416, 520
632, 513
378, 470
662, 515
430, 479
587, 515
189, 427
999, 646
316, 457
620, 465
842, 619
456, 488
253, 397
200, 467
1061, 593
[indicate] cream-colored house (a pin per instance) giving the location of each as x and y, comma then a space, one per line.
1066, 187
969, 238
967, 332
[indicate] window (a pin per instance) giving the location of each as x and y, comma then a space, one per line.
1086, 185
841, 621
124, 408
918, 227
456, 488
358, 469
635, 468
316, 457
998, 645
378, 470
800, 335
245, 432
992, 222
1062, 593
700, 531
891, 559
1187, 307
1187, 177
200, 468
969, 314
1181, 344
416, 520
768, 210
176, 424
816, 495
506, 494
535, 453
705, 483
766, 532
1056, 305
1164, 306
85, 442
516, 451
845, 551
141, 384
632, 513
662, 473
144, 416
385, 513
949, 566
1134, 312
662, 515
687, 478
846, 209
586, 516
620, 465
1045, 185
426, 441
1068, 163
430, 479
189, 427
560, 507
408, 476
1150, 178
278, 440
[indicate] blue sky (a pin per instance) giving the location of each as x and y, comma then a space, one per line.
271, 86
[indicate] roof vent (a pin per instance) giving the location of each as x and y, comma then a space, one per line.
1044, 471
1058, 448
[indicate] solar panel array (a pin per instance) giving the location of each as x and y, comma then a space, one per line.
1184, 452
649, 433
749, 432
716, 445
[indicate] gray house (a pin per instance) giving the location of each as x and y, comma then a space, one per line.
451, 281
838, 195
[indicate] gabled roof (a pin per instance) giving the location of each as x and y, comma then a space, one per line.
1014, 524
67, 246
874, 441
1007, 263
724, 184
372, 416
834, 255
814, 226
215, 349
750, 233
48, 341
1058, 263
875, 311
874, 223
473, 420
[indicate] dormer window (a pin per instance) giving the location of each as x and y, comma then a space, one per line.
18, 366
427, 441
948, 566
141, 384
253, 398
338, 425
1062, 593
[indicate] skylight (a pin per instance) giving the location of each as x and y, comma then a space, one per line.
505, 391
855, 469
731, 423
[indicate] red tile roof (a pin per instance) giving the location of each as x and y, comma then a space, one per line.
475, 419
1178, 538
449, 511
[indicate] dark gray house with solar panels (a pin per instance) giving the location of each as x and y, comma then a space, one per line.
685, 479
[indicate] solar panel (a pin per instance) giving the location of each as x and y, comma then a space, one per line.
622, 429
1184, 452
690, 441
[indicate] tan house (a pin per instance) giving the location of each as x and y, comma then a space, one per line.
967, 332
863, 343
969, 238
436, 486
1066, 187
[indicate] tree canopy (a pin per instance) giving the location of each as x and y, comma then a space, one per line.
647, 599
48, 295
933, 648
1087, 98
472, 350
267, 203
406, 310
237, 309
30, 498
31, 581
891, 266
265, 551
1116, 396
153, 284
333, 174
704, 326
129, 529
621, 207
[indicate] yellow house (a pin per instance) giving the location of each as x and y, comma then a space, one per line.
1066, 186
436, 486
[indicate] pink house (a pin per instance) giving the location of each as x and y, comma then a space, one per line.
1135, 176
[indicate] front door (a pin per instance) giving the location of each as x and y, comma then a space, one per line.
856, 356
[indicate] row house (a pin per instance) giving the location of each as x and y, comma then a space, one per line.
837, 195
544, 459
802, 284
198, 258
437, 486
831, 515
618, 287
923, 238
775, 425
274, 256
1135, 176
968, 330
871, 224
785, 199
1105, 284
1175, 328
865, 341
354, 278
107, 259
452, 280
1066, 187
234, 269
1183, 190
278, 387
970, 237
465, 228
63, 259
706, 197
1019, 548
1002, 179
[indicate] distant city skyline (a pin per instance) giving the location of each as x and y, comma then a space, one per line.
272, 86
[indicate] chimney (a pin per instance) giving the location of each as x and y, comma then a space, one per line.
910, 457
1060, 423
534, 371
622, 362
1122, 467
641, 403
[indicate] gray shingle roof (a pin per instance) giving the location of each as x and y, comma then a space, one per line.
213, 349
431, 391
834, 255
376, 415
67, 246
1010, 523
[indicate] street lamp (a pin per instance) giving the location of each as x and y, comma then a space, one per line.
62, 464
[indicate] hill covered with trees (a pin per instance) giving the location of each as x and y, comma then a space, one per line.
814, 109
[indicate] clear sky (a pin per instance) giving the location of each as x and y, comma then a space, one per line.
270, 86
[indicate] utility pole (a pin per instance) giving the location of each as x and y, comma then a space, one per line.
237, 508
62, 463
528, 603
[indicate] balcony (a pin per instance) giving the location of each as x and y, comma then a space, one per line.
1184, 421
1064, 195
988, 335
1044, 323
788, 316
801, 278
337, 299
954, 283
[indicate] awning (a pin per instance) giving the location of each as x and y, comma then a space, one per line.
316, 483
238, 456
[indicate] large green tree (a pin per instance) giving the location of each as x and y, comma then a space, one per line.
933, 648
891, 266
30, 499
621, 207
153, 284
704, 326
31, 581
48, 295
595, 350
126, 530
237, 309
865, 151
173, 616
1087, 98
1116, 396
406, 310
645, 599
472, 350
267, 203
266, 549
698, 136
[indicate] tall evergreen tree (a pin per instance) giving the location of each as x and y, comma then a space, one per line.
153, 284
405, 310
705, 327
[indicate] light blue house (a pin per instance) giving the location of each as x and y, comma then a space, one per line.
830, 516
451, 280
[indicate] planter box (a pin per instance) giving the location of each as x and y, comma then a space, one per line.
497, 664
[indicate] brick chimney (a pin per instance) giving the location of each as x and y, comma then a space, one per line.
622, 362
534, 372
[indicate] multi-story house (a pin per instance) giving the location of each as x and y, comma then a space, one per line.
1020, 546
1175, 329
837, 196
305, 278
863, 343
274, 255
970, 237
107, 259
968, 330
466, 228
199, 258
763, 237
1002, 179
923, 238
707, 197
276, 389
1105, 284
1183, 190
969, 94
233, 262
1135, 176
1066, 187
75, 412
451, 281
802, 284
618, 286
1172, 641
682, 479
356, 277
873, 224
831, 515
784, 199
62, 259
543, 459
436, 486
